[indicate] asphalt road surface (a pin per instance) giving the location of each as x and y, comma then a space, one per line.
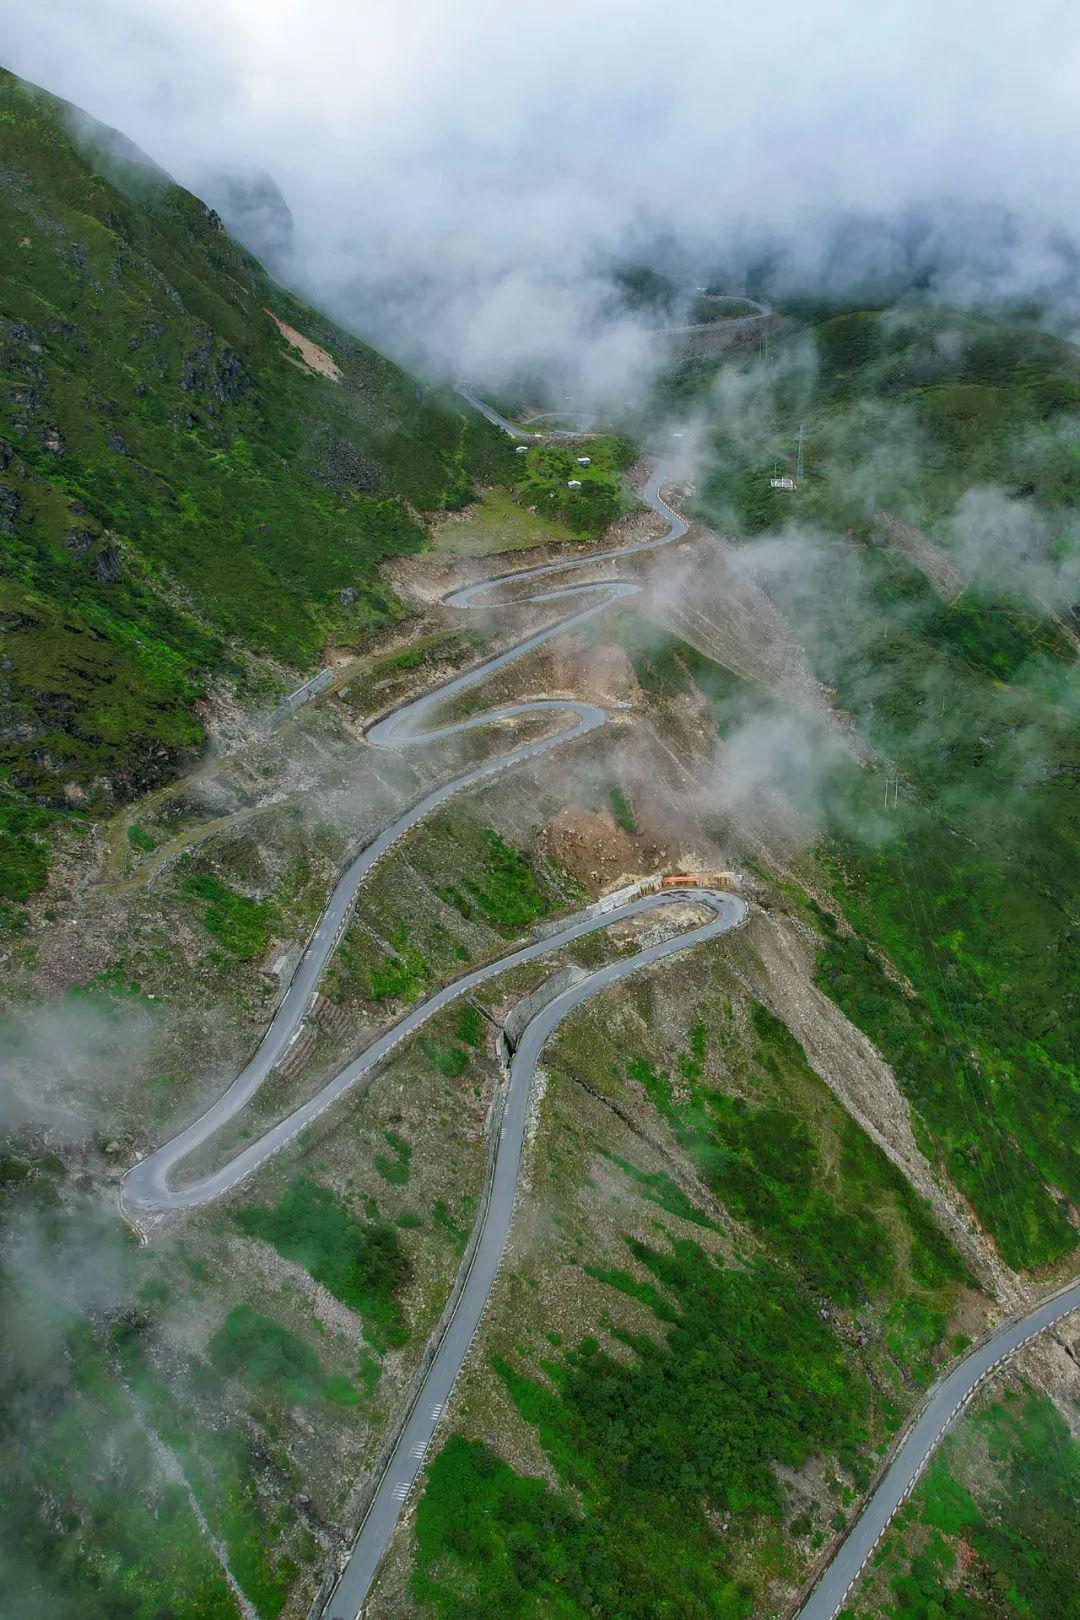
148, 1188
940, 1407
407, 1460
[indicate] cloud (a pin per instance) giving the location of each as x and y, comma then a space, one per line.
79, 1048
460, 176
778, 756
1012, 546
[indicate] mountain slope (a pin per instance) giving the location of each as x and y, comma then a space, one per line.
183, 480
929, 562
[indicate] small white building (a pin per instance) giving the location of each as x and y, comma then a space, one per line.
573, 483
521, 450
783, 483
583, 461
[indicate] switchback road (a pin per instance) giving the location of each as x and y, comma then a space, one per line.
149, 1190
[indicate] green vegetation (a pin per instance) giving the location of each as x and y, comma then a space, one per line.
240, 925
642, 288
621, 809
450, 1061
359, 968
1001, 1496
503, 885
404, 975
471, 1027
394, 1169
925, 1049
744, 1375
963, 890
500, 523
24, 854
667, 666
95, 1522
661, 1434
585, 512
176, 492
659, 1189
827, 1206
362, 1263
401, 947
439, 645
965, 692
259, 1350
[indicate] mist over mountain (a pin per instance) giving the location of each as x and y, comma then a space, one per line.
251, 205
463, 181
539, 742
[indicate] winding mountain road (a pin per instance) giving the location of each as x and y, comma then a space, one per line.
148, 1189
940, 1407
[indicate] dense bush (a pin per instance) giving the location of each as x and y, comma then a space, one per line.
260, 1351
747, 1375
362, 1263
240, 925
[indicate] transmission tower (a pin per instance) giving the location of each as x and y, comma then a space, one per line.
799, 456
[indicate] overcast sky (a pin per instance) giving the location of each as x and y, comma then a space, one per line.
484, 158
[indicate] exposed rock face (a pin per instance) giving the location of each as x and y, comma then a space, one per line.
528, 1006
78, 542
10, 508
214, 370
106, 566
341, 467
922, 553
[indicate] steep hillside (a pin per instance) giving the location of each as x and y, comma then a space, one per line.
928, 561
194, 469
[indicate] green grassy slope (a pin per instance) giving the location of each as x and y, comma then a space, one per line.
176, 489
966, 699
992, 1528
809, 1341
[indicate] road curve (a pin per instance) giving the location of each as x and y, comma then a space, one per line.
760, 312
147, 1187
941, 1405
494, 1220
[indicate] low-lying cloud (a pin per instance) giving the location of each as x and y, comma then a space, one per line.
462, 177
1009, 545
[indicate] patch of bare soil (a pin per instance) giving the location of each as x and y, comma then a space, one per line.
600, 673
711, 598
313, 358
922, 553
594, 849
426, 578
